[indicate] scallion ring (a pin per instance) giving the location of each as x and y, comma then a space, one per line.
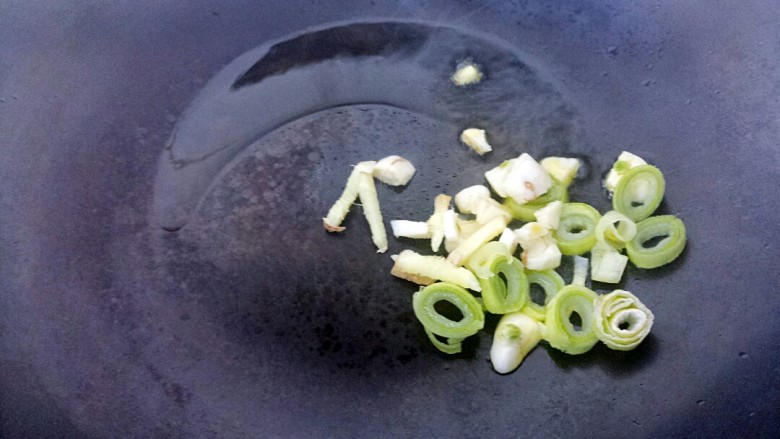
480, 261
621, 320
560, 330
575, 233
472, 317
550, 282
451, 346
658, 241
609, 235
639, 192
503, 296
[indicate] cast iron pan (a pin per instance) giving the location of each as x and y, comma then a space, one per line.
165, 169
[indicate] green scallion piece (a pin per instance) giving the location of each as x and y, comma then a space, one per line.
609, 235
472, 317
503, 296
658, 241
606, 264
575, 233
481, 260
621, 320
525, 212
559, 329
451, 346
551, 282
639, 192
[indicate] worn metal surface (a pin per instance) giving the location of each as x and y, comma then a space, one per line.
250, 321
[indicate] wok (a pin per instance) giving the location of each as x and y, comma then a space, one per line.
165, 167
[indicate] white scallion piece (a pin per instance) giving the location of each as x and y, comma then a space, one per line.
580, 271
622, 320
516, 335
607, 265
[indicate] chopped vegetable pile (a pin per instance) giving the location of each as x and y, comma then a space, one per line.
481, 242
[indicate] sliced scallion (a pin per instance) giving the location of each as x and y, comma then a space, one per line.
580, 271
608, 234
607, 264
561, 329
453, 345
658, 241
576, 231
481, 260
551, 282
501, 296
516, 335
471, 320
639, 192
621, 320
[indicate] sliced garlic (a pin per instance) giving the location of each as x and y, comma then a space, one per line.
476, 139
523, 179
562, 169
394, 170
549, 216
466, 200
466, 73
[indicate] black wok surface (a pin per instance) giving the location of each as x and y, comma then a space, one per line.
164, 169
